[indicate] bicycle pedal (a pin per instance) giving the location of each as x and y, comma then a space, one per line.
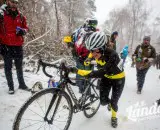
90, 108
87, 108
92, 95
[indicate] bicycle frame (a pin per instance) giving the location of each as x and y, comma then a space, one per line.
79, 104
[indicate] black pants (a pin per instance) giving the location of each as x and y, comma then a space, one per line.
141, 74
117, 86
9, 54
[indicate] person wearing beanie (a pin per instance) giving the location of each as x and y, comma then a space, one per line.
144, 55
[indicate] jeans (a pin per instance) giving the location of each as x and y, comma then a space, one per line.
141, 74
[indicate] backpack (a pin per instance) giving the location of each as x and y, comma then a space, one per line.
79, 43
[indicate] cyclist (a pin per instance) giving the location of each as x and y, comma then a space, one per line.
79, 50
109, 70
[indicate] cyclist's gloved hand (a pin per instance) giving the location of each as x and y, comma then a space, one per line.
20, 31
73, 69
67, 39
87, 62
85, 73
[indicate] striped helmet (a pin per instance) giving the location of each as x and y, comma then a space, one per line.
96, 40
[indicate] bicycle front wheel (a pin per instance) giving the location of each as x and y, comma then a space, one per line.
32, 115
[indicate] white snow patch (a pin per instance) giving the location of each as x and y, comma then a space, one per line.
10, 104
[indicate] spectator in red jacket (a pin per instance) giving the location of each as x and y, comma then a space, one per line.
13, 27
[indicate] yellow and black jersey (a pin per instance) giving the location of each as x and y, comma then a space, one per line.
109, 66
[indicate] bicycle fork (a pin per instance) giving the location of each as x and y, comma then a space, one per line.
50, 106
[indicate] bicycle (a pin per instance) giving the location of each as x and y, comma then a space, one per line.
59, 104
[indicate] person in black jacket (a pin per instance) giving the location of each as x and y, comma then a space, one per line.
109, 70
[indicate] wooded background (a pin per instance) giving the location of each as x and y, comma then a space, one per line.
133, 21
50, 20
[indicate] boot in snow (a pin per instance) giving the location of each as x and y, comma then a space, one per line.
114, 122
138, 91
158, 102
11, 91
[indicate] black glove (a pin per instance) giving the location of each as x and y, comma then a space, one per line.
73, 69
20, 31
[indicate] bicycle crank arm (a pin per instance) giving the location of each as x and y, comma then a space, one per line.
88, 104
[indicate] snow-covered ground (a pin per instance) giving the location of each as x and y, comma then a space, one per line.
10, 104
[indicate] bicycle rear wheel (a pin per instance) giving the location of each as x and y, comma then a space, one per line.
92, 102
31, 115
